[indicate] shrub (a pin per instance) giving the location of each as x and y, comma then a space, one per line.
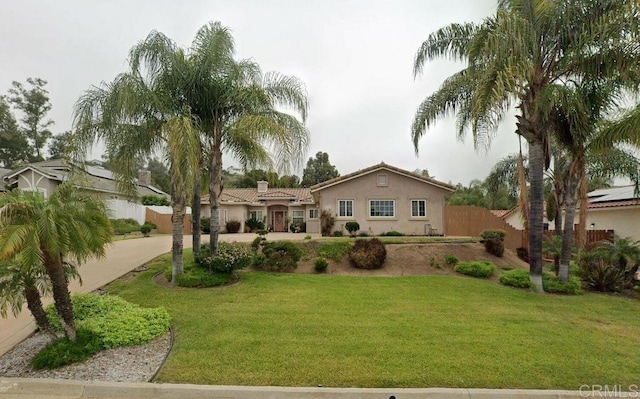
392, 233
518, 278
600, 275
233, 226
307, 237
115, 321
153, 225
552, 285
363, 234
205, 225
352, 228
62, 352
434, 263
337, 233
146, 229
197, 277
451, 260
124, 226
368, 254
493, 241
155, 200
334, 250
254, 224
320, 265
326, 223
523, 253
255, 244
279, 256
482, 269
230, 257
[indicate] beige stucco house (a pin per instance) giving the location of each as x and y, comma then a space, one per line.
384, 198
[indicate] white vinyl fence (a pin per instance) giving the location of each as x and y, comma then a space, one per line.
121, 209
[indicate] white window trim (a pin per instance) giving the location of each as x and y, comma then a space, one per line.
317, 211
395, 213
353, 208
386, 180
426, 214
261, 217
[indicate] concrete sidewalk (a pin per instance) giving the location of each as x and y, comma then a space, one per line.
24, 388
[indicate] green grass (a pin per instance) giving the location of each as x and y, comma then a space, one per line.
432, 331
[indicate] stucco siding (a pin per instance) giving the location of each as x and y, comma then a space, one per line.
389, 187
624, 221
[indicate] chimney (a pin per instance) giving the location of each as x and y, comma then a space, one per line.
144, 177
263, 186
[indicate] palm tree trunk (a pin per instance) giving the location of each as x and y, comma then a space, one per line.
572, 186
195, 213
177, 246
34, 303
215, 189
536, 228
61, 296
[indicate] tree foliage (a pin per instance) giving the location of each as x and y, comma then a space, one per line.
318, 169
14, 148
60, 146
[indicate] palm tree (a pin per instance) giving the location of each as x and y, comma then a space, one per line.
39, 234
520, 55
143, 112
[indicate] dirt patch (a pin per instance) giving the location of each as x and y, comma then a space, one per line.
421, 260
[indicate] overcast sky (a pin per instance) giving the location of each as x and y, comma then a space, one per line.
356, 58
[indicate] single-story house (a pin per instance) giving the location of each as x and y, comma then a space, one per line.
3, 173
45, 176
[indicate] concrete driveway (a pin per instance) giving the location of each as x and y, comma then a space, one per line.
121, 257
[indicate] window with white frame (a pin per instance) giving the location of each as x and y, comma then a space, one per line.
419, 208
297, 217
382, 208
382, 180
313, 213
345, 208
257, 215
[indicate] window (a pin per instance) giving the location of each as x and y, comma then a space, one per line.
382, 180
257, 215
313, 213
345, 208
298, 217
382, 208
418, 208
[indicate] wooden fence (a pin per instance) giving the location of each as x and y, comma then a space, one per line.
592, 239
163, 221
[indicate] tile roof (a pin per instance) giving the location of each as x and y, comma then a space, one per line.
377, 167
501, 212
251, 195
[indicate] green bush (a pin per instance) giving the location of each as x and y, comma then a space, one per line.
230, 257
279, 256
198, 277
367, 254
337, 233
334, 250
451, 260
482, 269
124, 226
62, 352
392, 233
233, 226
600, 275
518, 278
493, 241
363, 234
146, 228
153, 225
307, 237
255, 244
352, 228
321, 265
327, 220
205, 225
115, 321
552, 285
155, 200
254, 224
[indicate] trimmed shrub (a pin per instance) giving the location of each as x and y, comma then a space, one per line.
62, 352
494, 241
352, 228
254, 224
233, 226
255, 244
392, 233
337, 233
518, 278
124, 226
279, 256
230, 257
451, 260
205, 225
552, 285
367, 254
307, 237
363, 234
320, 265
481, 269
153, 225
155, 200
146, 229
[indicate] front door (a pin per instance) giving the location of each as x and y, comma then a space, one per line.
278, 221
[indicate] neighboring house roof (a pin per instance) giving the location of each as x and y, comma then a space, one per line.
613, 197
252, 196
501, 212
93, 178
3, 172
376, 168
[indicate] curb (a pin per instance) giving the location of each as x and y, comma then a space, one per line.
25, 388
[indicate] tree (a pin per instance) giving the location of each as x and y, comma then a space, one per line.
522, 55
41, 234
318, 169
141, 113
34, 104
14, 147
159, 175
60, 145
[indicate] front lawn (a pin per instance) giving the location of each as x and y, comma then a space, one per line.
428, 331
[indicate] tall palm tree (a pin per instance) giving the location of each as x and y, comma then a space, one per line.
143, 112
40, 234
520, 55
